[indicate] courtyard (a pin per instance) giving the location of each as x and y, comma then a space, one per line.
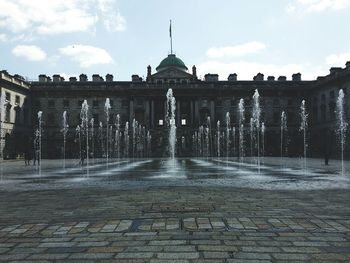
182, 210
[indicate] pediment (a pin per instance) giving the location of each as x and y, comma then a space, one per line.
172, 73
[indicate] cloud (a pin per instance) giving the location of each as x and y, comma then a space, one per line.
316, 6
86, 56
338, 59
59, 16
236, 51
30, 52
112, 19
247, 70
3, 38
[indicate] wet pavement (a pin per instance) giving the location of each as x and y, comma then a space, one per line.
124, 174
187, 210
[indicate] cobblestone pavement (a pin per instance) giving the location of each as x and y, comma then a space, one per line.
175, 224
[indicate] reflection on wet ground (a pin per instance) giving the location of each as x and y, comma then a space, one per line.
175, 172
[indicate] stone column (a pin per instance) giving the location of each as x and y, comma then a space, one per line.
147, 113
152, 115
196, 112
192, 112
212, 111
178, 112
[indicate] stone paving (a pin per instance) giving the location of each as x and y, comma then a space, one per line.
175, 224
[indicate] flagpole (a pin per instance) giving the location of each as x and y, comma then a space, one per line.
171, 39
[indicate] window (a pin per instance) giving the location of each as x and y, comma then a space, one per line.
125, 103
139, 102
160, 122
276, 117
65, 103
51, 119
96, 119
331, 94
8, 96
183, 122
80, 102
17, 99
95, 104
51, 103
8, 114
290, 102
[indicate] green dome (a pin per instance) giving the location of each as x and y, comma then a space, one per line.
171, 61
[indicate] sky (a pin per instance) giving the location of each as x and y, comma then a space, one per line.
123, 37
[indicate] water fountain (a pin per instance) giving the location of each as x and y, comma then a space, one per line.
218, 138
134, 125
251, 132
234, 140
149, 144
78, 137
228, 124
342, 126
126, 140
117, 136
84, 116
107, 112
64, 132
100, 138
241, 129
210, 135
263, 128
303, 128
284, 129
2, 116
92, 124
256, 119
207, 142
40, 114
170, 117
200, 140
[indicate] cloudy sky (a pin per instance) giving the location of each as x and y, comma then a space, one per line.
122, 37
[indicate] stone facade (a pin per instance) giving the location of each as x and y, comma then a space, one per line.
16, 122
196, 99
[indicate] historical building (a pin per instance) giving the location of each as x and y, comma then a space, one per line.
196, 100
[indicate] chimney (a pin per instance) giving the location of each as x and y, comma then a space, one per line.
42, 78
335, 70
347, 64
149, 71
109, 77
96, 78
282, 78
270, 78
194, 71
211, 77
296, 77
72, 79
259, 77
232, 77
83, 78
56, 78
136, 78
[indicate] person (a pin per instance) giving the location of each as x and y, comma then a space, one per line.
36, 151
27, 153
